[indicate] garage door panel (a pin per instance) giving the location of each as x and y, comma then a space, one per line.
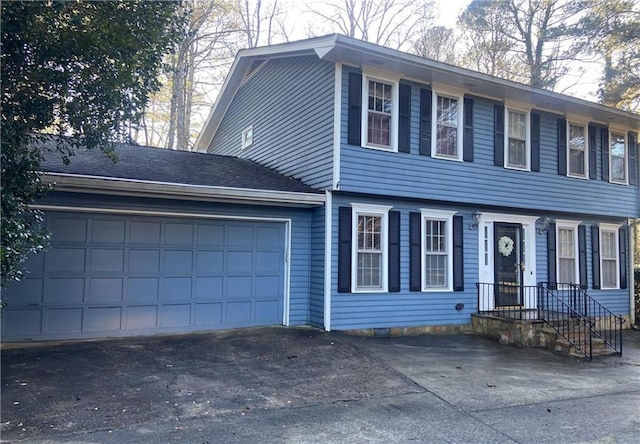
35, 263
66, 291
144, 232
125, 273
209, 287
209, 314
105, 289
107, 260
178, 315
143, 289
178, 261
103, 319
108, 231
178, 234
144, 261
140, 317
65, 259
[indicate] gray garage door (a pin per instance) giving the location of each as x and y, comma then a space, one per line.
107, 275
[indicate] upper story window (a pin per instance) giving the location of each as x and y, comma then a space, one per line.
618, 153
437, 248
517, 139
577, 153
380, 119
370, 255
609, 256
448, 124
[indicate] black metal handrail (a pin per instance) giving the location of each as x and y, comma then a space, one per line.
567, 308
604, 324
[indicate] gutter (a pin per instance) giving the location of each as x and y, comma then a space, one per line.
142, 188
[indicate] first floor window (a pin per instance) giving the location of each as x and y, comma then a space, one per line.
618, 158
517, 146
609, 257
577, 151
567, 254
437, 246
370, 254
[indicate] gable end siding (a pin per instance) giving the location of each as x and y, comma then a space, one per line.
289, 103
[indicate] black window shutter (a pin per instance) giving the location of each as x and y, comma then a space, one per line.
498, 138
535, 141
458, 253
394, 251
425, 121
593, 152
604, 137
623, 247
467, 138
344, 250
562, 147
404, 115
415, 272
582, 256
551, 256
354, 122
633, 158
595, 256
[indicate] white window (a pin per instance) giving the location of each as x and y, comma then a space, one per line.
567, 252
609, 256
370, 254
517, 152
447, 127
618, 158
437, 249
380, 119
577, 152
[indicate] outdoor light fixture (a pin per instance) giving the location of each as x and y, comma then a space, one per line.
476, 220
543, 224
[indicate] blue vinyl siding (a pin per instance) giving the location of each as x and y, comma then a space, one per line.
289, 102
316, 296
480, 182
381, 310
104, 261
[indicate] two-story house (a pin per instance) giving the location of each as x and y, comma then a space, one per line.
346, 186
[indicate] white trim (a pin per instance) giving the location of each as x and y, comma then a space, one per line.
615, 228
288, 223
486, 271
337, 124
448, 90
381, 211
527, 140
443, 216
134, 187
585, 128
459, 125
394, 81
328, 233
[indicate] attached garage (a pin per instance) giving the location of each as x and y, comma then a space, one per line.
111, 275
132, 255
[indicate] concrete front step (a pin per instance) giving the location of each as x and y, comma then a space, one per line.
598, 347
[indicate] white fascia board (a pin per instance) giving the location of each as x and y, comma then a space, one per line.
131, 187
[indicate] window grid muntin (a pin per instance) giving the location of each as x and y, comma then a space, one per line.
577, 143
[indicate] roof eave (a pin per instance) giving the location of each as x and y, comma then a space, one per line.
141, 188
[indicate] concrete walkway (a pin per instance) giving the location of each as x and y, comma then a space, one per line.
300, 385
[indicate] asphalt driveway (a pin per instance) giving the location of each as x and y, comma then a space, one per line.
304, 385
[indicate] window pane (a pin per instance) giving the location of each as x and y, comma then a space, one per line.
435, 260
436, 271
368, 233
517, 153
609, 272
577, 150
369, 270
517, 125
447, 142
566, 256
447, 111
567, 271
576, 162
609, 252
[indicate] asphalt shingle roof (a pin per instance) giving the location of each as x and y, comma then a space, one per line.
178, 167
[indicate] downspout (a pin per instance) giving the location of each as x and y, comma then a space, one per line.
328, 209
634, 224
